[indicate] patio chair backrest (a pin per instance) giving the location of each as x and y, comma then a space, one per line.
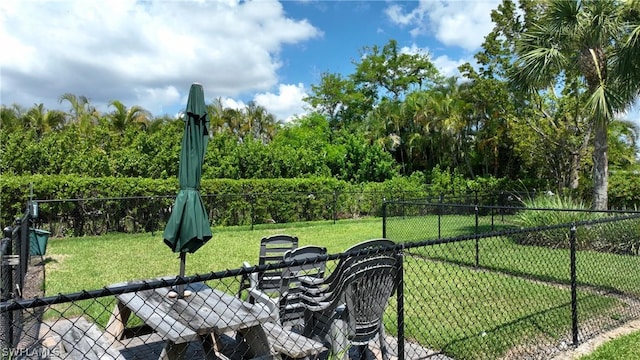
291, 307
368, 286
272, 250
334, 278
363, 291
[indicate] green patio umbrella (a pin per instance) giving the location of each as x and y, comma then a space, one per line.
188, 226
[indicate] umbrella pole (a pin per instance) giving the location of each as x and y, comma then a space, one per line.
183, 260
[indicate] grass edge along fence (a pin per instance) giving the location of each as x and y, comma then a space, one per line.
501, 308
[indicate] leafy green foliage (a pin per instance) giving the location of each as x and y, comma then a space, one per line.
621, 237
625, 347
140, 204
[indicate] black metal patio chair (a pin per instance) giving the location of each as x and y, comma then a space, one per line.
272, 250
286, 302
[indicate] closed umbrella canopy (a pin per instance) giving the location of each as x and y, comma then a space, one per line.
188, 226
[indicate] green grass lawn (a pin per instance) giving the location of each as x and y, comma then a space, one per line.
419, 228
92, 262
471, 314
605, 270
626, 347
465, 312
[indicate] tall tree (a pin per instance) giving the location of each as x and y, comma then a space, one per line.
43, 120
82, 113
122, 117
10, 117
391, 71
215, 112
385, 76
584, 38
259, 123
338, 98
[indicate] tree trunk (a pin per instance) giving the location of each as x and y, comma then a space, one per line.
576, 158
574, 172
600, 167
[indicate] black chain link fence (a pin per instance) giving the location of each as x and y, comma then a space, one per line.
14, 255
213, 319
97, 216
503, 290
470, 282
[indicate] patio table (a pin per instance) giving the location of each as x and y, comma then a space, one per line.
202, 316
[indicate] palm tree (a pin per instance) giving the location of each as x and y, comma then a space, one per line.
82, 113
591, 39
259, 123
215, 112
233, 120
43, 120
10, 117
121, 118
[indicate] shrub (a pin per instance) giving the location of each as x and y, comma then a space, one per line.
548, 209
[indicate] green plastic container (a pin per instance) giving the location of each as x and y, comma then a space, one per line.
38, 241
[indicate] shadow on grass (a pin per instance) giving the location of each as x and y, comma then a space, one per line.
545, 338
546, 279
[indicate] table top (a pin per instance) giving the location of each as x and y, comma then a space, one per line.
205, 311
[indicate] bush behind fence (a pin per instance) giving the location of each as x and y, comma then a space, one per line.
97, 216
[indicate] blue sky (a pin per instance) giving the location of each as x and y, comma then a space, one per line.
148, 53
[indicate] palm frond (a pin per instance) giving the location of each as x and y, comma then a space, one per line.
603, 103
537, 66
627, 63
602, 22
562, 17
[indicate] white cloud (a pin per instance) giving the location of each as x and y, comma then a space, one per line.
233, 103
448, 67
141, 52
286, 104
461, 23
445, 65
414, 50
156, 98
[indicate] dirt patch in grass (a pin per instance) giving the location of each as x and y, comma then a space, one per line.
30, 318
34, 280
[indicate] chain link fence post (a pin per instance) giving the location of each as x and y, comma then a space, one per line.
6, 287
477, 232
574, 286
440, 215
400, 307
384, 217
335, 206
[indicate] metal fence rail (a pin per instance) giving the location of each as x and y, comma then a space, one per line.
499, 290
82, 325
504, 291
96, 216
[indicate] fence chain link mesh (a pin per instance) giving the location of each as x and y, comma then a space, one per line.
473, 284
148, 319
499, 289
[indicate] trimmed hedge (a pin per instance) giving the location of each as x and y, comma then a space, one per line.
72, 205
